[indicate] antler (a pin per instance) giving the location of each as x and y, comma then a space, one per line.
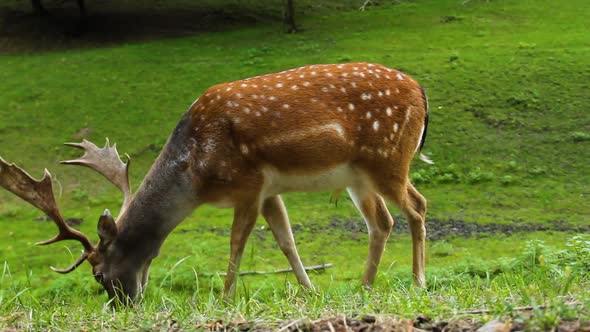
39, 193
107, 162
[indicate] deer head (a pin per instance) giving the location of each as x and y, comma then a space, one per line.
108, 267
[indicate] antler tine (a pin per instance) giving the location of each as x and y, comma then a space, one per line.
72, 267
107, 162
39, 193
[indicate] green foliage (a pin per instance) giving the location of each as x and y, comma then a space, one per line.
577, 254
579, 136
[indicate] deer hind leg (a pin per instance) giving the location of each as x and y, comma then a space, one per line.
379, 222
413, 206
275, 213
244, 221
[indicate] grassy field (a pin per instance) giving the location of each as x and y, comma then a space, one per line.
509, 132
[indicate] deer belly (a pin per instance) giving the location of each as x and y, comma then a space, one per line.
339, 177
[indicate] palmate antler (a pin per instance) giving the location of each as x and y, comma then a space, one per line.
39, 193
107, 162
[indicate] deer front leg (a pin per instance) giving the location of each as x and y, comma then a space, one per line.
275, 213
244, 220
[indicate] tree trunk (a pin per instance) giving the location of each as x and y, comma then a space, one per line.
289, 16
38, 7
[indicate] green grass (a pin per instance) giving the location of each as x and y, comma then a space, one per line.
509, 130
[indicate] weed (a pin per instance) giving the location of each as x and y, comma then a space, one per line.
579, 136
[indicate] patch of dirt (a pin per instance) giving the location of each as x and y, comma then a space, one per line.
375, 323
354, 228
441, 229
111, 23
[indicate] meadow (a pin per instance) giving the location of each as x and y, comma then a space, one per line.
509, 132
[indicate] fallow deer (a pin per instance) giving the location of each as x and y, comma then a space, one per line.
240, 145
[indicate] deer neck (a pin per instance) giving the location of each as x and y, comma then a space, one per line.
165, 197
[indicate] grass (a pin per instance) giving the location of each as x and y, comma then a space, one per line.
538, 276
509, 133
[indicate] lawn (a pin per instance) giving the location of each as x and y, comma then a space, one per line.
509, 133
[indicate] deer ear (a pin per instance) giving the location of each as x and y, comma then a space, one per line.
107, 229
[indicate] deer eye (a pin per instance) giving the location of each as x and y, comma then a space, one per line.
99, 277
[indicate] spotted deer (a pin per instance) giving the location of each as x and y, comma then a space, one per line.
354, 126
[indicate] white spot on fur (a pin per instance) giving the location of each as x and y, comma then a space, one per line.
294, 87
351, 107
395, 127
279, 85
272, 98
340, 109
343, 90
368, 115
286, 106
399, 76
353, 84
306, 83
244, 85
389, 111
247, 110
376, 125
387, 92
366, 96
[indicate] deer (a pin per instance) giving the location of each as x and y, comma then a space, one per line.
240, 145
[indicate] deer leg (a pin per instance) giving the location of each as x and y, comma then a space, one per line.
379, 222
413, 205
415, 212
275, 213
244, 220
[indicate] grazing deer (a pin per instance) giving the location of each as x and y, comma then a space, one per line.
241, 144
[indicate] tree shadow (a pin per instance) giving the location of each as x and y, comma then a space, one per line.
23, 32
